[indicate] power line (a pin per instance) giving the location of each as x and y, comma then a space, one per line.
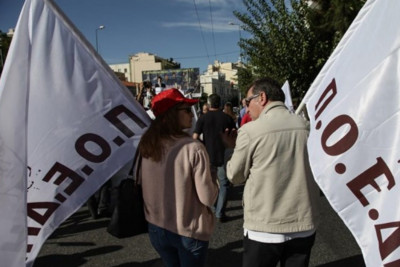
212, 30
201, 30
202, 56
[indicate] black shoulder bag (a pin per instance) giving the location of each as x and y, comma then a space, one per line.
128, 217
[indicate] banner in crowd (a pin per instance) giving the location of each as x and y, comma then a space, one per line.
67, 124
354, 110
187, 80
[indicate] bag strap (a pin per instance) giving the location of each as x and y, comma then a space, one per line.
137, 161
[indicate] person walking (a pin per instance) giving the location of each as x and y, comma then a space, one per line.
228, 109
280, 197
178, 189
212, 125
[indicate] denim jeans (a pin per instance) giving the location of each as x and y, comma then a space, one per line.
176, 250
223, 185
223, 181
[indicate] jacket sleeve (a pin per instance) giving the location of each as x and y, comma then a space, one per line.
238, 167
206, 187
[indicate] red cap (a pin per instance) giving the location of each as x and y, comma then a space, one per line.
168, 99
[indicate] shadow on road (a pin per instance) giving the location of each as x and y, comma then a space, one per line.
79, 222
76, 259
226, 256
354, 261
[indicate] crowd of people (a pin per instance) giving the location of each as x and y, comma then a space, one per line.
185, 179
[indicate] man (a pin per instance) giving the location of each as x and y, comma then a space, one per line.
148, 94
280, 196
212, 125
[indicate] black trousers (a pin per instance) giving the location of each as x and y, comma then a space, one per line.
293, 253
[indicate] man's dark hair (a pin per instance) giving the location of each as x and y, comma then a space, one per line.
229, 104
270, 87
214, 100
147, 84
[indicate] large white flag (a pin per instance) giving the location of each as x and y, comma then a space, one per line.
66, 125
354, 108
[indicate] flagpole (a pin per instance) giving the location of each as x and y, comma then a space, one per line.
300, 107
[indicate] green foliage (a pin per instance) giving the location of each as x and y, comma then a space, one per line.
291, 40
245, 78
5, 42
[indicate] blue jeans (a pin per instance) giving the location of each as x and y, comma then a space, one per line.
176, 250
223, 185
223, 181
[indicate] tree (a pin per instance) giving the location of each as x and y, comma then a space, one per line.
330, 19
245, 78
291, 39
4, 45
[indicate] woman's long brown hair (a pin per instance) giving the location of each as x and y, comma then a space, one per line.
161, 130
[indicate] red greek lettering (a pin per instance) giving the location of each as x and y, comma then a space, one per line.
368, 178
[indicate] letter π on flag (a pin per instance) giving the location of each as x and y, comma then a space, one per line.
67, 124
354, 110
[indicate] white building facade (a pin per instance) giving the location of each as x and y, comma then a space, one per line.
148, 62
221, 78
123, 68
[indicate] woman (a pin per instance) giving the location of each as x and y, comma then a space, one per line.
178, 190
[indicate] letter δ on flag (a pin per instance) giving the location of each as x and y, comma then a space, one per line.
67, 124
354, 110
288, 96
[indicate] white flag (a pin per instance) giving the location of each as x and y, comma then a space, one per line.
288, 96
354, 108
67, 125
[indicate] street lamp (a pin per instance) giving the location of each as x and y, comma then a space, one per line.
97, 45
240, 37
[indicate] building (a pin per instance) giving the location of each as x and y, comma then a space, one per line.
122, 70
145, 61
131, 72
221, 78
187, 80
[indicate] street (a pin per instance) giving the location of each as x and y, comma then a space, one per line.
82, 241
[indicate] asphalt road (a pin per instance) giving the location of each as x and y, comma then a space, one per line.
82, 241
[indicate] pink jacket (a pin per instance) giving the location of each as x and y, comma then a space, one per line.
179, 191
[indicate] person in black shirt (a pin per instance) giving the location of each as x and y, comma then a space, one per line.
212, 125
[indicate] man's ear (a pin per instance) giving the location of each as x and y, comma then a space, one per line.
263, 98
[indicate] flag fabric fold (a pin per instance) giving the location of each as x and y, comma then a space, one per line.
354, 110
67, 124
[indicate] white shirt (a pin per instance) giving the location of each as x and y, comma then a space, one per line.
275, 237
